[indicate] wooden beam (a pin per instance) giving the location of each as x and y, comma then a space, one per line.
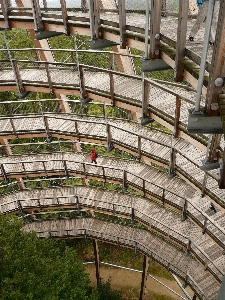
214, 148
181, 37
97, 262
177, 117
94, 14
155, 21
5, 5
64, 16
217, 65
38, 23
122, 23
144, 277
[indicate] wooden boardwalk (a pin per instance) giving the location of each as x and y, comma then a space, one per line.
152, 182
154, 216
146, 144
203, 283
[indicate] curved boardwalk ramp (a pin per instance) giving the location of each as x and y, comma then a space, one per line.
200, 280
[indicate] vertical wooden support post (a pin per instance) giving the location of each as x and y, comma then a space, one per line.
155, 21
48, 134
194, 297
184, 211
145, 99
109, 138
5, 5
38, 24
94, 15
172, 162
97, 262
82, 82
5, 147
188, 249
19, 82
49, 77
143, 187
139, 147
204, 185
124, 180
217, 65
181, 39
177, 116
163, 196
64, 16
221, 179
164, 8
111, 80
122, 23
13, 127
144, 277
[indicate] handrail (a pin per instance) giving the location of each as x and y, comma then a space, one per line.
115, 169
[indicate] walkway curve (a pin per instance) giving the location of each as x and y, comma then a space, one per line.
200, 280
155, 217
129, 173
148, 145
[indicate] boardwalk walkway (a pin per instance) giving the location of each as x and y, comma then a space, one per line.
197, 277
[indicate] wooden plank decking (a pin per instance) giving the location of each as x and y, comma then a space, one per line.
145, 242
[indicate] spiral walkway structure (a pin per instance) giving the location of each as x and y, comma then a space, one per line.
168, 202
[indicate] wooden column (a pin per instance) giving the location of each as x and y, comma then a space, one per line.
145, 100
214, 147
5, 5
155, 21
122, 23
64, 16
97, 262
221, 180
172, 161
94, 14
181, 39
204, 185
144, 277
217, 65
177, 116
19, 82
38, 24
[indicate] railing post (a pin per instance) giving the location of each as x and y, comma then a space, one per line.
109, 138
181, 37
204, 225
188, 248
48, 134
184, 211
13, 127
65, 168
19, 82
144, 277
145, 119
122, 23
177, 116
139, 147
172, 162
143, 187
49, 78
97, 261
124, 180
82, 82
204, 185
111, 88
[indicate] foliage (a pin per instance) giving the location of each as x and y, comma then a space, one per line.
106, 293
34, 268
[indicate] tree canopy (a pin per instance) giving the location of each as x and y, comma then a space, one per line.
34, 268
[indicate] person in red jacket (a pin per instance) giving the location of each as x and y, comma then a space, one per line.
93, 156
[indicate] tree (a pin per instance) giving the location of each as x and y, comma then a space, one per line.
33, 268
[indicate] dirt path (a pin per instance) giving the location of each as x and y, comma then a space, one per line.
129, 282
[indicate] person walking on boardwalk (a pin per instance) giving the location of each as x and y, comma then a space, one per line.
94, 156
201, 17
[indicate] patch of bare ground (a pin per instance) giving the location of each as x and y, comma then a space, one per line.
129, 282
